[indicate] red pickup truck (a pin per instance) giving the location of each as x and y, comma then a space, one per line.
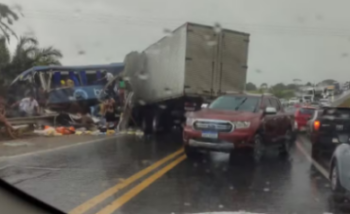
237, 121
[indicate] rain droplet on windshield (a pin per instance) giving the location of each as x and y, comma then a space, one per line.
212, 43
142, 102
167, 32
221, 206
195, 164
126, 78
168, 91
266, 190
187, 204
344, 55
162, 106
231, 188
143, 76
207, 37
217, 28
77, 12
81, 52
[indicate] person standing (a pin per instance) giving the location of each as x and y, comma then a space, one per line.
28, 106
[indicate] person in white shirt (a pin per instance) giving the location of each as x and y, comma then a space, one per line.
27, 106
109, 76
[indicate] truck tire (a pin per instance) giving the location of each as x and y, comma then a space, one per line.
146, 124
156, 123
315, 152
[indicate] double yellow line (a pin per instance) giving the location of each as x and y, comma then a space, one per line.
134, 191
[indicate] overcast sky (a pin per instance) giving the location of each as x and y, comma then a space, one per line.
305, 39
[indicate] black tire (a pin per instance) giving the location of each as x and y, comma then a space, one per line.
334, 178
191, 153
258, 148
286, 144
157, 123
315, 152
146, 124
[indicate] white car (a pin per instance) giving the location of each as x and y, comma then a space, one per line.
293, 101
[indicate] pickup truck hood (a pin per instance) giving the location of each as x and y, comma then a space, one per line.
224, 115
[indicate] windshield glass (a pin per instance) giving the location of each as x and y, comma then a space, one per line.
172, 107
307, 111
235, 103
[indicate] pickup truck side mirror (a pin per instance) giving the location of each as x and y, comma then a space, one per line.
204, 105
270, 110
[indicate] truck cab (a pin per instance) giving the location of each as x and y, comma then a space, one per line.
232, 122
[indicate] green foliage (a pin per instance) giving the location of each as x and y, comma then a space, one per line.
10, 16
27, 54
250, 87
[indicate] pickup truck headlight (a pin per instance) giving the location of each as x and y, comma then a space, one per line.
189, 121
241, 124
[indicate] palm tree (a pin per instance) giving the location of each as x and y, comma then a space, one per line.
27, 54
10, 16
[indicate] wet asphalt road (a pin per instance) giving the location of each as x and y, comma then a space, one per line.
69, 177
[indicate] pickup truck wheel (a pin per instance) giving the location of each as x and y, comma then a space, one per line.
334, 177
286, 145
258, 148
315, 152
337, 188
190, 152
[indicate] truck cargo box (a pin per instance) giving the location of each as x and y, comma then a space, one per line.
193, 61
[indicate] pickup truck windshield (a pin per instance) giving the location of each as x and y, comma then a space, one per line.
235, 103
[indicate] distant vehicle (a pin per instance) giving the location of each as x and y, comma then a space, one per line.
232, 122
339, 170
293, 100
330, 124
302, 115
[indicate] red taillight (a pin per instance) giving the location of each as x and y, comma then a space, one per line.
317, 125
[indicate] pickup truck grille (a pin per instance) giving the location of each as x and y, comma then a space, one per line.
212, 126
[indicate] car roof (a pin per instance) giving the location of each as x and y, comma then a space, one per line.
249, 95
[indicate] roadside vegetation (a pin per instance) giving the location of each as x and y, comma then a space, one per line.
28, 52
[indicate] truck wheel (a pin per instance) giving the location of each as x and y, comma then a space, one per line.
156, 123
258, 148
315, 152
146, 124
190, 152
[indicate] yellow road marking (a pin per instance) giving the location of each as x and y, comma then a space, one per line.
318, 166
109, 192
143, 185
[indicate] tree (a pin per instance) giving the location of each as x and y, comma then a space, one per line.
292, 86
27, 54
308, 84
250, 87
10, 16
279, 86
263, 86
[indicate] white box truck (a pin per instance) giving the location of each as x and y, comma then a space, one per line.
182, 70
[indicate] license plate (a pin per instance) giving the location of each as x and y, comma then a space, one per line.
210, 134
